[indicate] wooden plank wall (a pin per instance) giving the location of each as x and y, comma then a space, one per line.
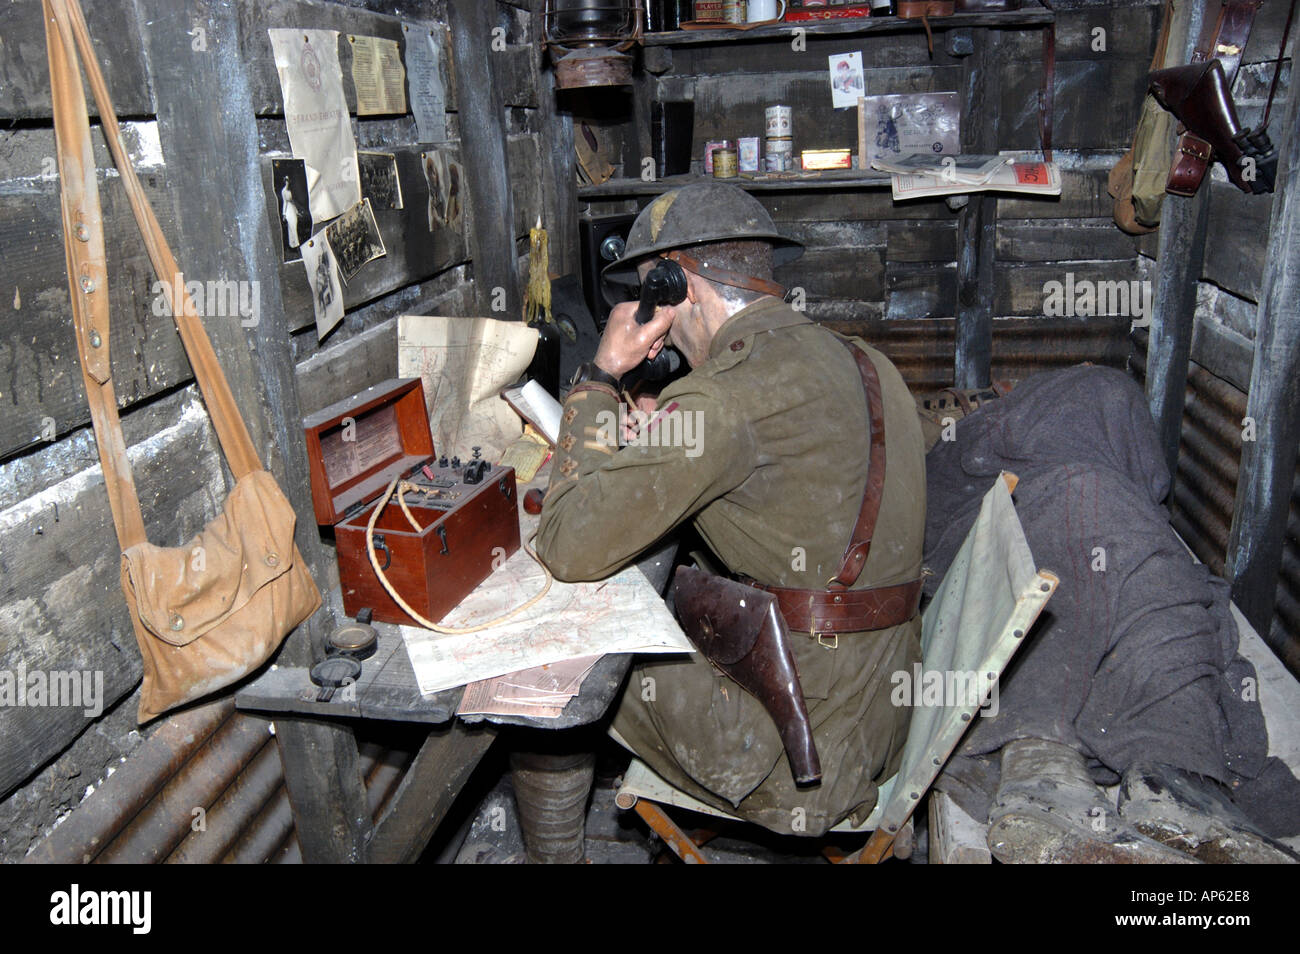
57, 546
1222, 350
871, 260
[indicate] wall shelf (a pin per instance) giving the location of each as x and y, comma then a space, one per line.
839, 179
1032, 15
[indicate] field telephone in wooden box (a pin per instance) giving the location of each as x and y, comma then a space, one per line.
460, 520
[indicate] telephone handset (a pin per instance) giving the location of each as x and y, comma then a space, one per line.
665, 284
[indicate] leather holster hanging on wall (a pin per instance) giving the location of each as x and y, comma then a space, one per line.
1199, 95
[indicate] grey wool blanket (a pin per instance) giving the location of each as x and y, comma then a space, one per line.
1135, 657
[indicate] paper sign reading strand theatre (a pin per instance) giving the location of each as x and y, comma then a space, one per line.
316, 114
378, 75
424, 73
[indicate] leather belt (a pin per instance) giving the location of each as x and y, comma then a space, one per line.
724, 276
1190, 165
824, 612
838, 609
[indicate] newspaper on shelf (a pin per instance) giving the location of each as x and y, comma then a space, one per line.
968, 169
1029, 178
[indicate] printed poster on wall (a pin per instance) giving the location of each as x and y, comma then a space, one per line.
424, 76
895, 125
316, 114
378, 75
846, 79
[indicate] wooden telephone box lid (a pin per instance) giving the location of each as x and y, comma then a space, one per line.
358, 445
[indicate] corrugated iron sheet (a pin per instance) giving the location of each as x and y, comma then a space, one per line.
212, 758
1284, 634
1205, 488
922, 349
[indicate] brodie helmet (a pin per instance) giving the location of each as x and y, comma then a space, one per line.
691, 215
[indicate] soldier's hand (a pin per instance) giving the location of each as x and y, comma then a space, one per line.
626, 344
642, 411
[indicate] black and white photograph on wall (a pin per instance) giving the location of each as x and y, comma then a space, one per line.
354, 237
323, 277
443, 175
379, 180
290, 179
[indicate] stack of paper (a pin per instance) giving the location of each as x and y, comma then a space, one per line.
536, 407
1032, 178
541, 414
541, 692
968, 170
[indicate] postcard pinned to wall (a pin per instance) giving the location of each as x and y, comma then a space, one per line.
378, 75
424, 75
323, 277
354, 237
846, 79
894, 125
379, 180
289, 177
316, 114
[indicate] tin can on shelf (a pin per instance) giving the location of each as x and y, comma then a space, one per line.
724, 163
712, 146
749, 153
780, 121
779, 152
705, 11
826, 159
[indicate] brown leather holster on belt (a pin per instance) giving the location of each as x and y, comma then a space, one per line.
1199, 94
740, 630
745, 627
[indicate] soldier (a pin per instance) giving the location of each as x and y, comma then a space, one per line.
777, 452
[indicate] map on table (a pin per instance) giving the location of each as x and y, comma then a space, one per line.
622, 614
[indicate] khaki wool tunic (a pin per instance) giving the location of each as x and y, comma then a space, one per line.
773, 474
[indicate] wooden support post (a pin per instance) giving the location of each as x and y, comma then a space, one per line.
441, 767
977, 225
1181, 254
327, 790
483, 148
1268, 463
559, 185
209, 138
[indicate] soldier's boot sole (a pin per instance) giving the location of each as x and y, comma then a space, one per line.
1048, 811
1191, 814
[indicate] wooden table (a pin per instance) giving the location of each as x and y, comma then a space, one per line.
387, 691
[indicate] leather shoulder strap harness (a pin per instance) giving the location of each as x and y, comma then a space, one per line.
838, 609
